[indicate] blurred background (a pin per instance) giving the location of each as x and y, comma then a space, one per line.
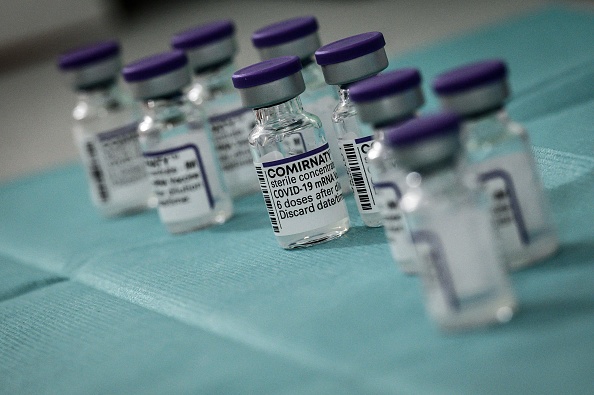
35, 104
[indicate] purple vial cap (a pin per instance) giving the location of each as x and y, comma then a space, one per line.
267, 71
470, 76
89, 54
154, 66
387, 84
422, 128
350, 48
203, 35
284, 31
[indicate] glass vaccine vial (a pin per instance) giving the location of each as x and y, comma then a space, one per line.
499, 152
464, 279
104, 129
344, 62
211, 49
177, 145
300, 187
299, 37
385, 101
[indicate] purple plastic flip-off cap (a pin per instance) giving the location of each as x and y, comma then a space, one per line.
91, 65
291, 37
353, 58
270, 82
207, 45
388, 97
158, 75
473, 88
425, 140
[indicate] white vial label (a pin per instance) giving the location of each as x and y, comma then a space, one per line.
113, 160
180, 181
395, 225
355, 155
460, 263
301, 192
515, 196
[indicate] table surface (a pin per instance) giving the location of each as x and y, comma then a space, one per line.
90, 305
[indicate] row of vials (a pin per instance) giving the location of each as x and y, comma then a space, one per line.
457, 192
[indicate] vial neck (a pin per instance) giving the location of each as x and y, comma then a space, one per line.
441, 176
164, 109
102, 95
216, 77
486, 125
279, 111
343, 95
312, 74
485, 113
307, 61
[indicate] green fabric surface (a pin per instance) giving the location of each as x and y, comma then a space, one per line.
120, 306
69, 338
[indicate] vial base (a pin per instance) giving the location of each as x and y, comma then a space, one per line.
217, 217
477, 314
539, 248
315, 236
372, 220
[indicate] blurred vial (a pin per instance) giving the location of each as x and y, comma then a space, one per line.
498, 150
177, 145
105, 123
299, 37
343, 62
300, 186
210, 49
385, 101
464, 278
